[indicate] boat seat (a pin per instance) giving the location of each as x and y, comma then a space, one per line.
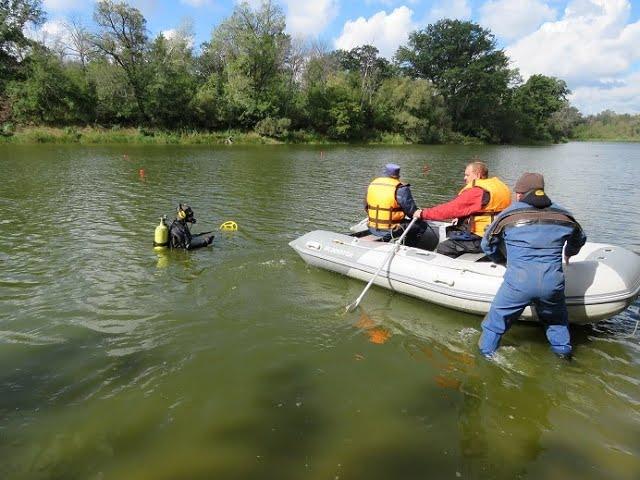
471, 257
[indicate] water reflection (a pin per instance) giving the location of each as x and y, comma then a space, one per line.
375, 333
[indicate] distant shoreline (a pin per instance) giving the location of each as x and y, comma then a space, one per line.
143, 136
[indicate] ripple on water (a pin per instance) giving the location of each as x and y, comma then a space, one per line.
23, 338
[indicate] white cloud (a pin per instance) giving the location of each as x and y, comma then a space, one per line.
179, 35
310, 18
170, 34
456, 9
63, 5
54, 28
623, 96
514, 18
53, 33
196, 3
386, 32
255, 4
390, 3
592, 41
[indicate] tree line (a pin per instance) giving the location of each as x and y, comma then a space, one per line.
449, 83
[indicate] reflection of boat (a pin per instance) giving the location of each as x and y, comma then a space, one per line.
601, 281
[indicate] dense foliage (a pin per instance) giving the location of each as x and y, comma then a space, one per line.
449, 83
607, 125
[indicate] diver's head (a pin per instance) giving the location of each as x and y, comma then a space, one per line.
185, 213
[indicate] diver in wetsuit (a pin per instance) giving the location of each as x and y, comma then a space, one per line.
179, 234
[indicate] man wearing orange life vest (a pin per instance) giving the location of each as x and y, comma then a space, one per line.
388, 203
479, 201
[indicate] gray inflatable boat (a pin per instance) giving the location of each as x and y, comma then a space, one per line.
601, 281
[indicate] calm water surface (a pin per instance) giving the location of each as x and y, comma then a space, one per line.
239, 362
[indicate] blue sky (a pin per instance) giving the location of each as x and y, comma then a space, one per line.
592, 44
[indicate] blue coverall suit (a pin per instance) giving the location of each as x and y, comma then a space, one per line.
534, 275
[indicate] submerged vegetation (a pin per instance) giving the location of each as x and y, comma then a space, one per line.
252, 83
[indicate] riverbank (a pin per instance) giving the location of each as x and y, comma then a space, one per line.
143, 136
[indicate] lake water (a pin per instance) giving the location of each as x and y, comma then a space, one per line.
239, 361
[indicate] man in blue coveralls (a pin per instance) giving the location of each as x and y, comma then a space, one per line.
531, 233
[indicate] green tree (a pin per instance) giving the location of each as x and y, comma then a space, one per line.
564, 121
14, 16
208, 103
123, 38
462, 61
320, 65
336, 108
172, 85
370, 69
115, 100
250, 49
413, 108
536, 102
48, 94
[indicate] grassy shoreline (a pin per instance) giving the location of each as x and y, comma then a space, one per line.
607, 139
142, 136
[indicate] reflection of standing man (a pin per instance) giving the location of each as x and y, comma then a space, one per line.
534, 231
388, 204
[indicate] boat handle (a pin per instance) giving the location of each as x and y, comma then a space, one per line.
450, 283
313, 245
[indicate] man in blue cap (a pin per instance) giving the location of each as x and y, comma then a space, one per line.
389, 204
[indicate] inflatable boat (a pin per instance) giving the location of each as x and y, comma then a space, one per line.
601, 281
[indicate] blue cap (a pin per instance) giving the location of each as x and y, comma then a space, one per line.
391, 170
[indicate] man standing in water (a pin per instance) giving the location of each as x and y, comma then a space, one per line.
533, 231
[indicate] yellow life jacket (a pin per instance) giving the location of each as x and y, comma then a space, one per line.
499, 199
382, 207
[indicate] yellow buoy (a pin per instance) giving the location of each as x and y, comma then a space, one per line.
161, 235
229, 226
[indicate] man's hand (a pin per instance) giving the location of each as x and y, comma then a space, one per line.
417, 214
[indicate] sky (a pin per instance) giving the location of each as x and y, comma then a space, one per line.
594, 45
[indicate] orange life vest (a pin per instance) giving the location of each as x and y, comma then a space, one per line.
382, 207
499, 199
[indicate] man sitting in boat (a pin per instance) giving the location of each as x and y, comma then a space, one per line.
179, 234
534, 231
388, 204
474, 208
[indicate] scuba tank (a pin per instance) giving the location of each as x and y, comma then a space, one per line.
161, 235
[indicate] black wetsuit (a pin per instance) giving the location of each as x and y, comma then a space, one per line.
180, 237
